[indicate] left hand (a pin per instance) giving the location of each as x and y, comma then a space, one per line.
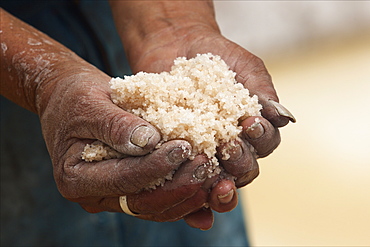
156, 33
253, 75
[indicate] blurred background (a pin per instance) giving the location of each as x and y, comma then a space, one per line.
314, 190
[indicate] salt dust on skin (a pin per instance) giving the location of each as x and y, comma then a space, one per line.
4, 47
199, 100
32, 41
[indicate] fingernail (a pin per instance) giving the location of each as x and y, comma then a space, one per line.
141, 136
256, 130
201, 172
178, 155
232, 151
282, 111
226, 198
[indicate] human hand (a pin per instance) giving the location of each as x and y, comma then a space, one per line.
72, 99
152, 48
77, 111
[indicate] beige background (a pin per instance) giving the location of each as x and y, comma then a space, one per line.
314, 190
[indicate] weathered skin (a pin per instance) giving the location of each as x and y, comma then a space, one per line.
72, 100
186, 29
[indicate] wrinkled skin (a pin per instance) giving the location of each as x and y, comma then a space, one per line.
97, 186
72, 99
252, 73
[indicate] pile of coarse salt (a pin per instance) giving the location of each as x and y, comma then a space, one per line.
199, 100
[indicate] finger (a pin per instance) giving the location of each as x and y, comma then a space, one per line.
179, 211
202, 219
252, 73
276, 113
261, 134
238, 160
195, 202
99, 204
247, 178
117, 177
185, 184
223, 197
123, 131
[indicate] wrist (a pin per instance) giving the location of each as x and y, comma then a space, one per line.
30, 62
160, 23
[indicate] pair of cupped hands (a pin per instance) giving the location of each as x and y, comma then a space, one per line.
79, 111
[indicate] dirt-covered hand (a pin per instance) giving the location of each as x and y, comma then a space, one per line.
79, 111
155, 33
72, 99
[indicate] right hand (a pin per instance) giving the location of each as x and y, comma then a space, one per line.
75, 110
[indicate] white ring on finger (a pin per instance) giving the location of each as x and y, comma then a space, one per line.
124, 206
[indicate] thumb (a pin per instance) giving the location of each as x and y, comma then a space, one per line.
123, 131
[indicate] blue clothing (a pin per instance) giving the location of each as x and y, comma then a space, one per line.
33, 213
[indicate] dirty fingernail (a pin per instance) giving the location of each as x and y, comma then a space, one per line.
282, 111
201, 172
226, 198
141, 136
178, 155
232, 151
255, 131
